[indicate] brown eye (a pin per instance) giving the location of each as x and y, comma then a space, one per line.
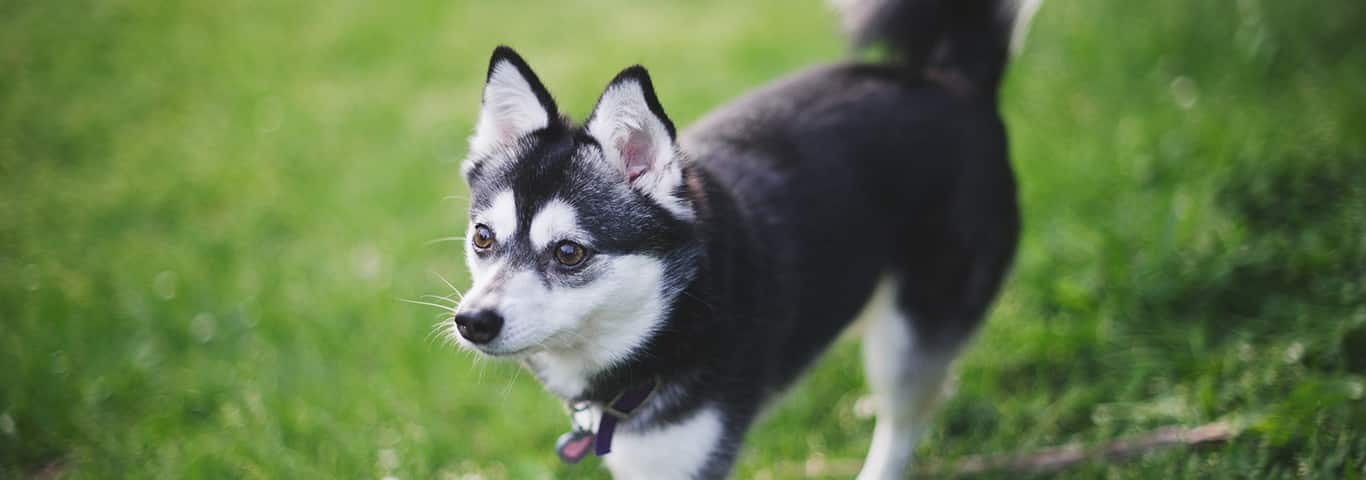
483, 237
570, 254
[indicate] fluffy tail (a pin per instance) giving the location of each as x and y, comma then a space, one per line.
958, 39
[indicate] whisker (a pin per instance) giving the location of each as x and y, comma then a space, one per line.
698, 300
448, 284
430, 304
508, 388
448, 334
436, 333
483, 366
446, 298
444, 239
455, 197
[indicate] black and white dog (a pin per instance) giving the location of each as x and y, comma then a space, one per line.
668, 287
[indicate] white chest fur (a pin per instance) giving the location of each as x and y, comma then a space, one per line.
679, 450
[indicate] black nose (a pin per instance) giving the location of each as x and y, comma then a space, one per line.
480, 326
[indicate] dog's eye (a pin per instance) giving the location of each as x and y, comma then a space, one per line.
570, 254
482, 238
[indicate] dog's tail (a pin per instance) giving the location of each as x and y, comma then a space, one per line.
963, 40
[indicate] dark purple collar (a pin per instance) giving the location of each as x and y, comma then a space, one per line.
573, 445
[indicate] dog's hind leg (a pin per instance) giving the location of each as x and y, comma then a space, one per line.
906, 376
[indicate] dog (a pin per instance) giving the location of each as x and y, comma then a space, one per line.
668, 286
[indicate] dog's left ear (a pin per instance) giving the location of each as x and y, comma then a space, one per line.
638, 138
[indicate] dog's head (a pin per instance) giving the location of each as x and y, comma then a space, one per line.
579, 236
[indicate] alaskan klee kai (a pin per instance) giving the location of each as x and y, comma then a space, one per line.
668, 285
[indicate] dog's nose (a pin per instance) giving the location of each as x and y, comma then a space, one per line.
479, 327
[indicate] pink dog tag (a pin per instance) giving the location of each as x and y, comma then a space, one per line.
574, 445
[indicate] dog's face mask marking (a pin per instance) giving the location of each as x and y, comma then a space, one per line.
578, 236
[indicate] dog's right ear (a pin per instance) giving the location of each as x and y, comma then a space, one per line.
514, 104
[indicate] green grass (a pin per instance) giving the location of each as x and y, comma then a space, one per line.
209, 210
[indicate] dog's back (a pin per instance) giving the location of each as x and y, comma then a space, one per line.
881, 187
850, 174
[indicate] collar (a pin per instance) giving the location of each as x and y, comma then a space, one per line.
573, 445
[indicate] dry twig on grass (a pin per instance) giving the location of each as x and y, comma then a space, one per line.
1043, 461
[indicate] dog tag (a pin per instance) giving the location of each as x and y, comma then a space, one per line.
574, 445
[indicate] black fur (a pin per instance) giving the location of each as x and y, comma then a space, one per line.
806, 193
970, 38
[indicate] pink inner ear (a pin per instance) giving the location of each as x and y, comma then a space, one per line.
637, 152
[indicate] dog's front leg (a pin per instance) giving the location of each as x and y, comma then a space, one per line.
686, 449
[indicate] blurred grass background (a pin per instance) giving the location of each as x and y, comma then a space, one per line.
209, 210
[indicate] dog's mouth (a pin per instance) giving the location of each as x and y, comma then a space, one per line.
553, 342
498, 350
501, 353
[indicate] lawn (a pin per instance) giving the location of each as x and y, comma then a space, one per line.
210, 211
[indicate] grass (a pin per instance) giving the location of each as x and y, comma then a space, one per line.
209, 213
